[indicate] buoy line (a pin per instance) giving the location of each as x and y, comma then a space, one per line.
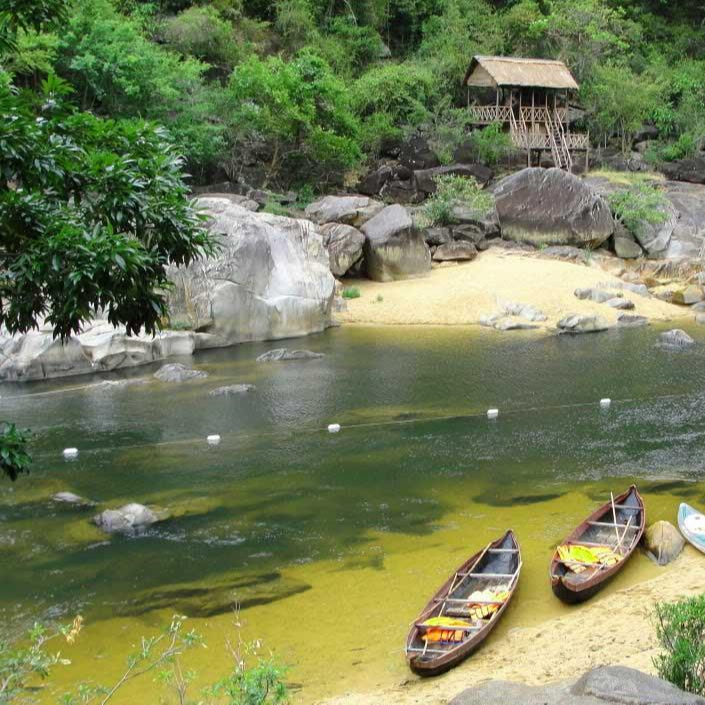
336, 428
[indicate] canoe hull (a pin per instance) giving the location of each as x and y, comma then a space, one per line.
574, 591
694, 540
436, 666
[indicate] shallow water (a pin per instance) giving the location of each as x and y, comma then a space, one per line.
332, 543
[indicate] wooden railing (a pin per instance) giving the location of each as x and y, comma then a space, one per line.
487, 114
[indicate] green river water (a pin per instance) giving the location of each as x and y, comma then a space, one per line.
331, 543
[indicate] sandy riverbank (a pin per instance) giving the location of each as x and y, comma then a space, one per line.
613, 629
460, 294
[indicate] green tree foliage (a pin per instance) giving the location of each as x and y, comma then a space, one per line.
14, 460
294, 114
638, 205
453, 191
680, 629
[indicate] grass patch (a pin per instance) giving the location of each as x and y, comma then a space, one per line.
274, 208
351, 292
627, 178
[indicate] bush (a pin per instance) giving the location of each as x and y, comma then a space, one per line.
455, 191
491, 144
680, 629
351, 293
14, 459
638, 204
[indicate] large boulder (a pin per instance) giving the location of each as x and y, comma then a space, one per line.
270, 278
394, 248
351, 210
551, 206
425, 179
676, 338
99, 348
344, 244
452, 251
605, 685
663, 542
128, 519
692, 170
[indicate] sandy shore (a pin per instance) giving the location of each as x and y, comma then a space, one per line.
460, 294
611, 630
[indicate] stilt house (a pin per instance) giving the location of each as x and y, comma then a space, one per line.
532, 99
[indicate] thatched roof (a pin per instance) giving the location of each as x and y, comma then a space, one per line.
494, 71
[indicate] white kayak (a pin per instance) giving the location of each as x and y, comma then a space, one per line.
691, 522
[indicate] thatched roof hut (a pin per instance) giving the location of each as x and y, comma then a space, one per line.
505, 71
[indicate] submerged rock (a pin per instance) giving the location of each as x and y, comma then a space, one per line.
676, 338
284, 354
71, 498
231, 390
128, 519
663, 542
579, 323
176, 372
632, 321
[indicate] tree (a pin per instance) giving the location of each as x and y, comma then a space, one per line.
91, 212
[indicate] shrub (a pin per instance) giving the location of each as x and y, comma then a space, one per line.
680, 629
455, 191
351, 292
14, 459
638, 204
491, 144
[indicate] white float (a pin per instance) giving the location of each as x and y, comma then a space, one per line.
333, 428
70, 453
492, 413
213, 440
605, 403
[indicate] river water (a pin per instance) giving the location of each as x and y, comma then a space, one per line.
331, 543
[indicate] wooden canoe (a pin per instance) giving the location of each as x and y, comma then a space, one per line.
601, 530
498, 564
691, 522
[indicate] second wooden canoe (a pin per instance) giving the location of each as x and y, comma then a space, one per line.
618, 526
497, 565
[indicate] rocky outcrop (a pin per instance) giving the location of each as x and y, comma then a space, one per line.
394, 248
351, 210
606, 685
691, 170
129, 519
99, 348
551, 206
284, 354
663, 542
176, 372
575, 323
231, 390
269, 279
344, 244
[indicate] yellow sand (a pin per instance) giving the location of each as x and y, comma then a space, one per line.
460, 294
614, 629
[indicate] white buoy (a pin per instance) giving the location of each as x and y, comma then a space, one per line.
213, 440
492, 413
70, 453
333, 428
605, 403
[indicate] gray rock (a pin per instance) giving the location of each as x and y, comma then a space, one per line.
176, 372
597, 295
394, 248
625, 244
687, 296
512, 324
425, 179
490, 319
242, 201
620, 303
455, 251
373, 183
606, 685
71, 498
525, 311
638, 289
632, 321
284, 354
270, 278
656, 237
700, 318
470, 221
344, 244
351, 210
663, 542
231, 390
415, 154
437, 236
551, 206
578, 323
128, 519
676, 338
692, 170
401, 191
